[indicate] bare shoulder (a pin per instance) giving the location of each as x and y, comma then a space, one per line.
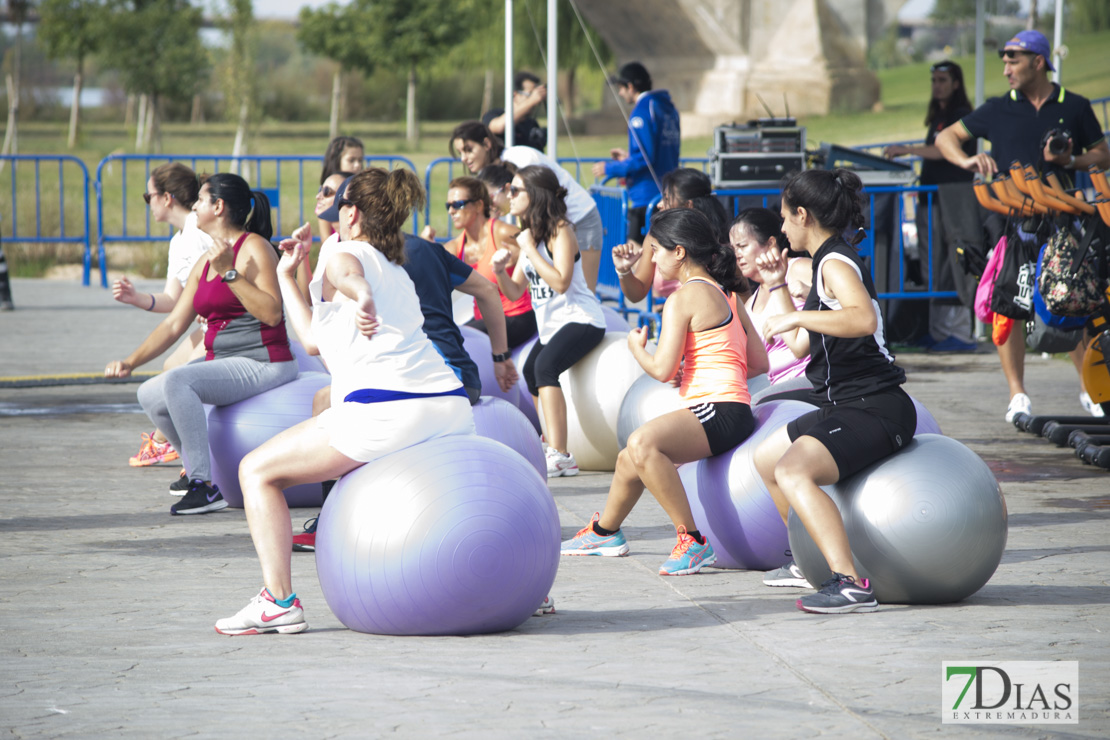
504, 230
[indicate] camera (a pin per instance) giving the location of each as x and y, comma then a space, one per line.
1057, 140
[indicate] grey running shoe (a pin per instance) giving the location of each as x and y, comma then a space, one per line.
787, 575
839, 595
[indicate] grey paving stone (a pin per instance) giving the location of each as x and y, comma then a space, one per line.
107, 602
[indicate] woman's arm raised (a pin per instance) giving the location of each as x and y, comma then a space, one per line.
256, 287
165, 334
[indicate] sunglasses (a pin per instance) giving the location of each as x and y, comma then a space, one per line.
514, 191
342, 203
1011, 54
458, 205
148, 196
327, 191
941, 67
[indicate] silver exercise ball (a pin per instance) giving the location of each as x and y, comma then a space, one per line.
927, 525
647, 399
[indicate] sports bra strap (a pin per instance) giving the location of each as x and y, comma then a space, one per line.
727, 321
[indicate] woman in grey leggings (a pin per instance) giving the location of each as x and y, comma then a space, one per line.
234, 287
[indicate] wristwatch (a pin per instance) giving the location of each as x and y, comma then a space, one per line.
231, 276
502, 357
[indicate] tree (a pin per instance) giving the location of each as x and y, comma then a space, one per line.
1089, 15
340, 34
409, 34
155, 45
955, 12
239, 75
17, 14
72, 29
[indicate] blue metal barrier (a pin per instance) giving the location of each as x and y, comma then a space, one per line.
437, 176
612, 205
25, 224
286, 181
884, 246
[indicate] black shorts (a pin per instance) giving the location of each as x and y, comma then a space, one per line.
726, 424
858, 433
637, 219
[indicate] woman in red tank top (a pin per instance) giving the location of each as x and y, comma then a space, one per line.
700, 328
480, 235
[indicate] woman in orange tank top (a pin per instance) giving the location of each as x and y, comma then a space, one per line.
702, 346
480, 235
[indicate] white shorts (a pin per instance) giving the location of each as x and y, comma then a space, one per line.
367, 431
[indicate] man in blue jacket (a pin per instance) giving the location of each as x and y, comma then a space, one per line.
654, 139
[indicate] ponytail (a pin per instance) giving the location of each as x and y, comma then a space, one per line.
693, 231
258, 220
832, 197
385, 200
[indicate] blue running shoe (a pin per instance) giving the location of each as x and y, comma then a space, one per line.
839, 595
589, 542
687, 557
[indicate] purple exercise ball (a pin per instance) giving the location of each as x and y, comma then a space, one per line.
499, 420
525, 402
926, 424
239, 428
731, 506
306, 363
455, 536
477, 345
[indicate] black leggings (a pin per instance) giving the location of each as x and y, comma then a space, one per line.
520, 328
547, 361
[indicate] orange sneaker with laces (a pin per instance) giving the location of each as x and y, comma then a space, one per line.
152, 453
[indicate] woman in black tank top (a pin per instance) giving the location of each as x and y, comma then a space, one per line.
863, 413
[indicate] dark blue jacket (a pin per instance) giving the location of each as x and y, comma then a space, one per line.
654, 135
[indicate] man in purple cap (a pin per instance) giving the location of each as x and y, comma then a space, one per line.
1040, 124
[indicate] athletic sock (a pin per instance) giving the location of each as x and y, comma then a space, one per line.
283, 603
598, 529
697, 536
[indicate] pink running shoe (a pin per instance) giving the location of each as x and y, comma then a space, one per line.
152, 453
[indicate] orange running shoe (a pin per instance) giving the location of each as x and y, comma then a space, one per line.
152, 453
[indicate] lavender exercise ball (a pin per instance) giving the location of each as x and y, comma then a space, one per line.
238, 428
731, 506
525, 402
499, 420
477, 345
455, 536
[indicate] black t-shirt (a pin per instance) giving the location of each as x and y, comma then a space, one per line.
845, 369
939, 171
1015, 129
526, 132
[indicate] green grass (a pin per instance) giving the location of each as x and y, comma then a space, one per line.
905, 92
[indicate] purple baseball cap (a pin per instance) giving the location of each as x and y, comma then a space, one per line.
1034, 42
